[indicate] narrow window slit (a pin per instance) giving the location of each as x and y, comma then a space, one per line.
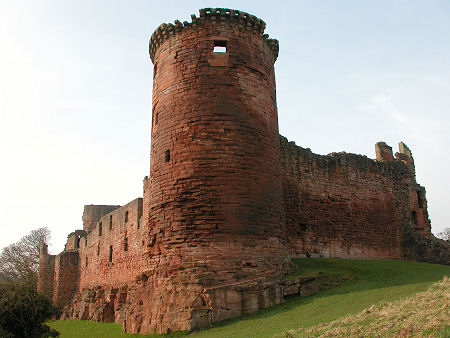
419, 199
414, 217
167, 156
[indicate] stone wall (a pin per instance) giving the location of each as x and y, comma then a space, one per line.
93, 213
73, 240
424, 248
66, 278
350, 206
112, 252
46, 272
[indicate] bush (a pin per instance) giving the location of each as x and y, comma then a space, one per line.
23, 311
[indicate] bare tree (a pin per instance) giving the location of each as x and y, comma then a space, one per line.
20, 261
445, 234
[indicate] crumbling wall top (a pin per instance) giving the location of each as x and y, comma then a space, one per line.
403, 149
43, 249
405, 155
244, 22
93, 213
383, 152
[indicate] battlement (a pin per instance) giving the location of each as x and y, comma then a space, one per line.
216, 16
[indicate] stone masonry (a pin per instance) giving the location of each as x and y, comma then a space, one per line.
228, 201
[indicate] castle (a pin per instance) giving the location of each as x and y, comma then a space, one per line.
228, 200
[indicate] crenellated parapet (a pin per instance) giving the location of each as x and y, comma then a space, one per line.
217, 16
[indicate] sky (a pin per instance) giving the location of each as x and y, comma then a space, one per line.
76, 84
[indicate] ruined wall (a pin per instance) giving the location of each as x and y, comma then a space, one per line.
112, 253
347, 205
46, 271
73, 240
66, 277
93, 213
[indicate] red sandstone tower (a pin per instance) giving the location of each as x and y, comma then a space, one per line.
213, 202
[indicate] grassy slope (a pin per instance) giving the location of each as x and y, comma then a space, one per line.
421, 314
373, 282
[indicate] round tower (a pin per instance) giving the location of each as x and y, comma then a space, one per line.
214, 196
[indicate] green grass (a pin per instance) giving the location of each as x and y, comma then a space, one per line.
445, 332
371, 282
423, 314
89, 329
85, 328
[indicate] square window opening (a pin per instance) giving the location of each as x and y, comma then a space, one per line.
220, 46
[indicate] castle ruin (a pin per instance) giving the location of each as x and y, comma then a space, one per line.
228, 200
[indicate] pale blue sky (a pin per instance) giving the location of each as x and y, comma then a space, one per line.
76, 82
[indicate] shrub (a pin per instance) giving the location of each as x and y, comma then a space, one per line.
23, 311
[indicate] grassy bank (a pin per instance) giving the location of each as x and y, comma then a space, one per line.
419, 315
370, 283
